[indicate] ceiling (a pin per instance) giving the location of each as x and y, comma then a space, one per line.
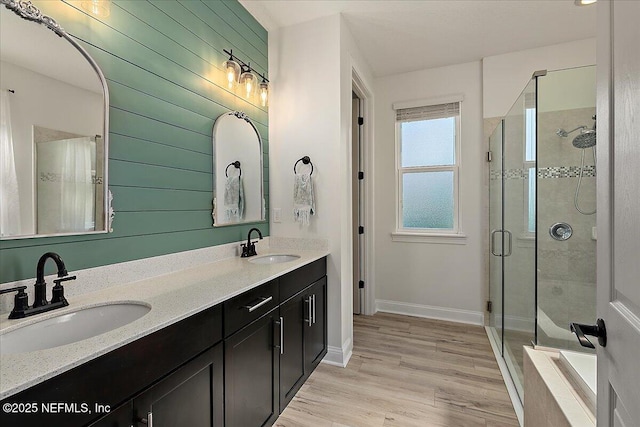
407, 35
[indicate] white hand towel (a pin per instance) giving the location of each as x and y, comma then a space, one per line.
303, 199
233, 198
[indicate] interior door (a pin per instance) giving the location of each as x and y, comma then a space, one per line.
618, 212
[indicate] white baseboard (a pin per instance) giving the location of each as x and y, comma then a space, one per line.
431, 312
337, 356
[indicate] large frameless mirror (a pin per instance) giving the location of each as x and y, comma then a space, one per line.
54, 130
238, 195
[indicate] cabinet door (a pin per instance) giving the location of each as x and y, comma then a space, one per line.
292, 373
315, 335
119, 417
191, 396
251, 372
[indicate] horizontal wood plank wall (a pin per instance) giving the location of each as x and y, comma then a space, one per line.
163, 64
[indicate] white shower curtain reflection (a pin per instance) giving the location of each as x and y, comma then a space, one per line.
66, 187
9, 197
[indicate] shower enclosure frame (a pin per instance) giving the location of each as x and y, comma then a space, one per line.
514, 262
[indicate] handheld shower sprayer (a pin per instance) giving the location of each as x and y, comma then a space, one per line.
586, 139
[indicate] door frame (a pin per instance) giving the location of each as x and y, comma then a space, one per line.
603, 185
623, 329
359, 87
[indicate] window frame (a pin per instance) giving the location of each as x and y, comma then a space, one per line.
430, 235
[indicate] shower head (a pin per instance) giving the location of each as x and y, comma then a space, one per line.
586, 139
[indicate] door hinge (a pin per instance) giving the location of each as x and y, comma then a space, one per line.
489, 156
489, 306
361, 284
360, 121
361, 230
360, 175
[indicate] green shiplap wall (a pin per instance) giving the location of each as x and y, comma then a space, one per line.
162, 61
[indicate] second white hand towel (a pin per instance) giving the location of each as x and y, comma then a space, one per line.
234, 198
303, 199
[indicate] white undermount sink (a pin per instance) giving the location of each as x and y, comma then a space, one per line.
273, 259
71, 327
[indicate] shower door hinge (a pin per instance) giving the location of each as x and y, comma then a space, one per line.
360, 121
489, 156
360, 175
361, 230
361, 284
489, 306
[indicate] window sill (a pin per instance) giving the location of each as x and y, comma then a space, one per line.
445, 239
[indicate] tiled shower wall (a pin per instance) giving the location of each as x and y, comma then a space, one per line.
566, 269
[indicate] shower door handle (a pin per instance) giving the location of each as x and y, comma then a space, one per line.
493, 242
598, 330
510, 243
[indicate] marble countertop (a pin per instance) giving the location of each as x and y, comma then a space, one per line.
172, 297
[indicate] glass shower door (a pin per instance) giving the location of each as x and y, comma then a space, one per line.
567, 189
496, 236
519, 225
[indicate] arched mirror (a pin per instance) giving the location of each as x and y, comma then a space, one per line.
54, 130
238, 195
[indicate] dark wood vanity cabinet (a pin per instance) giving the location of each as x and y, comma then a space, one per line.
251, 373
267, 361
111, 383
192, 395
315, 336
292, 363
237, 364
304, 338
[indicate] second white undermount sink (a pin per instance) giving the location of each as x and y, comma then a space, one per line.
273, 259
71, 327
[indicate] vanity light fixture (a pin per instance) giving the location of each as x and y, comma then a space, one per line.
240, 72
264, 92
248, 82
584, 2
232, 70
101, 8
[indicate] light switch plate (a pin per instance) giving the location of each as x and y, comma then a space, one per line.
277, 215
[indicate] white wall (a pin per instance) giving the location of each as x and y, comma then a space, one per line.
441, 280
353, 63
43, 101
310, 114
505, 76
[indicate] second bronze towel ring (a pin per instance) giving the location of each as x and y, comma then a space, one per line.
305, 160
237, 166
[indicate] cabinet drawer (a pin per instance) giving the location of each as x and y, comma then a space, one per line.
249, 306
295, 281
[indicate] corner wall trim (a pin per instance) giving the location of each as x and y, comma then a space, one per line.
431, 312
337, 356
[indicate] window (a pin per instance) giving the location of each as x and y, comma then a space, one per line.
428, 162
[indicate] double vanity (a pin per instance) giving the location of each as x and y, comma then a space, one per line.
175, 340
223, 343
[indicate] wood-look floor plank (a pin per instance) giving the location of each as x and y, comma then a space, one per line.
407, 371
